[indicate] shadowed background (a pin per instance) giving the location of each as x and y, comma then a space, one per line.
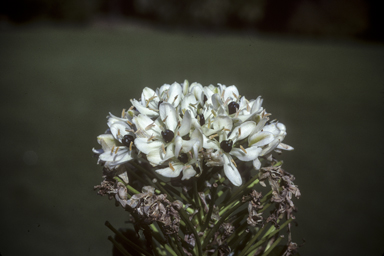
59, 82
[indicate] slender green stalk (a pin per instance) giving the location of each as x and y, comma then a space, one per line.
119, 247
242, 190
266, 237
198, 203
179, 247
272, 246
210, 210
240, 238
192, 228
218, 223
125, 239
249, 244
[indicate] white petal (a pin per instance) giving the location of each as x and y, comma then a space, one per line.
157, 156
188, 173
230, 91
222, 122
185, 87
147, 125
216, 101
144, 146
117, 156
185, 123
107, 141
256, 108
260, 139
98, 151
231, 171
271, 146
197, 135
168, 113
178, 145
242, 131
252, 153
196, 147
168, 172
189, 100
175, 94
257, 163
213, 144
119, 129
147, 94
143, 110
284, 146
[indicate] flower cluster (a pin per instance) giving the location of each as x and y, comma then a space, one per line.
180, 128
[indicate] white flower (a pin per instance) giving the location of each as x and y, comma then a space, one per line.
111, 152
170, 126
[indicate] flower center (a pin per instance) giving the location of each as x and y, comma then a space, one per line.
158, 105
127, 139
167, 135
226, 145
183, 158
202, 119
232, 107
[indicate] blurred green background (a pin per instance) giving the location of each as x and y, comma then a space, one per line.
60, 79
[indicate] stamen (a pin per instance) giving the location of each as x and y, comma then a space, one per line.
239, 131
118, 132
149, 126
163, 148
153, 109
129, 122
117, 148
132, 107
227, 130
222, 94
192, 105
130, 146
213, 136
171, 166
165, 119
123, 113
233, 161
213, 113
243, 149
183, 110
150, 138
226, 102
235, 95
175, 99
248, 107
112, 149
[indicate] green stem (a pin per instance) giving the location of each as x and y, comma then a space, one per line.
125, 239
211, 205
198, 203
218, 223
192, 228
243, 189
119, 247
272, 246
249, 243
266, 237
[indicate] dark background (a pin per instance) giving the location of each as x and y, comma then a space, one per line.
65, 64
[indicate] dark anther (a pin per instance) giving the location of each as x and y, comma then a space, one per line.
226, 145
232, 107
167, 135
127, 139
158, 105
183, 158
202, 119
205, 98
